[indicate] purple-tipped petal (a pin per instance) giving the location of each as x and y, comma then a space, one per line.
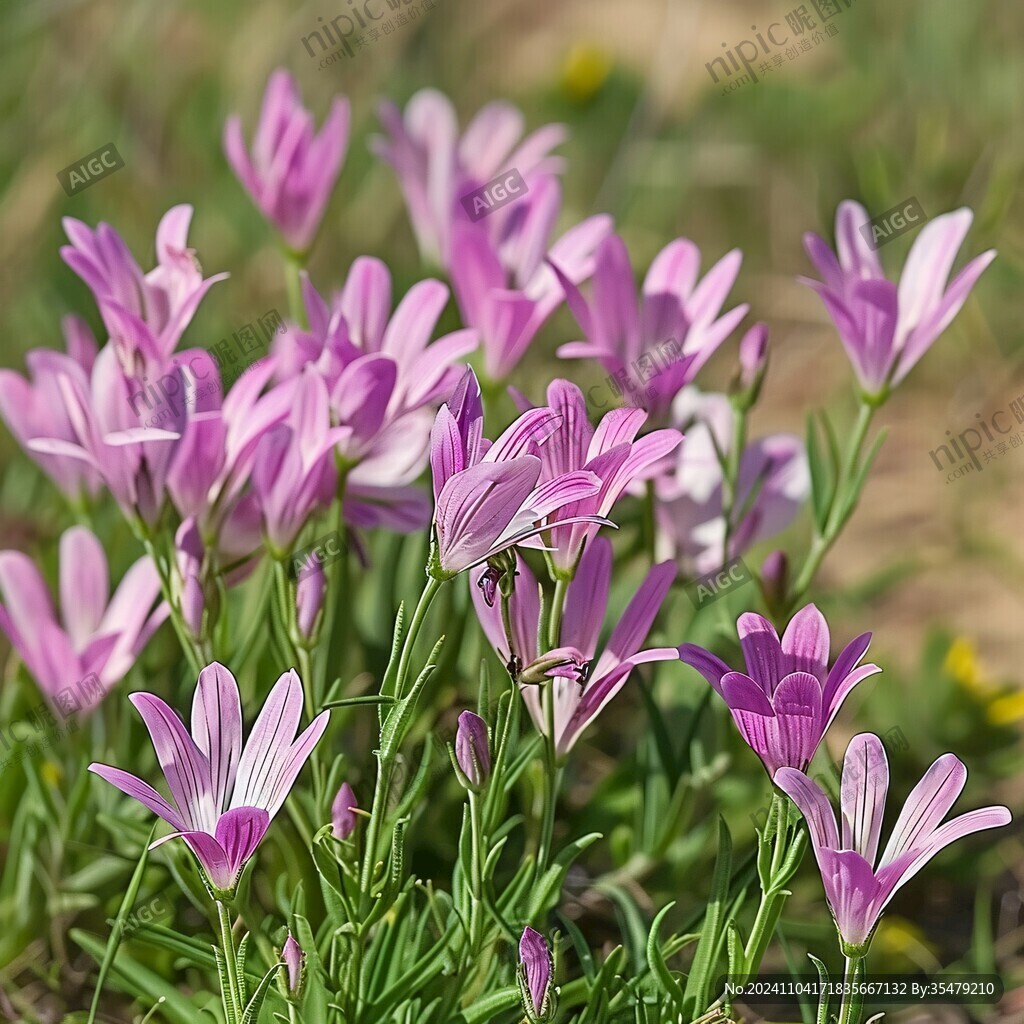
709, 665
813, 804
865, 783
217, 728
805, 643
141, 791
761, 650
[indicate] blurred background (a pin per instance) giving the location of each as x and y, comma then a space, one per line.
920, 98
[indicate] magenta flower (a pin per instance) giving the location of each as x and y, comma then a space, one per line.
488, 497
581, 686
612, 453
223, 798
886, 328
384, 379
343, 812
505, 286
35, 408
292, 170
145, 314
436, 166
786, 703
94, 634
657, 345
535, 971
774, 483
859, 884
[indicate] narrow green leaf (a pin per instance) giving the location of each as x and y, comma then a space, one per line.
656, 960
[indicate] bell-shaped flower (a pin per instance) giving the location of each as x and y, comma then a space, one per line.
581, 685
94, 634
858, 882
436, 166
788, 697
145, 314
884, 327
35, 408
656, 345
292, 169
505, 286
223, 797
612, 452
774, 483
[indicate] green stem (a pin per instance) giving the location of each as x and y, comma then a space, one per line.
232, 998
824, 540
555, 617
731, 475
551, 780
294, 263
476, 886
853, 1002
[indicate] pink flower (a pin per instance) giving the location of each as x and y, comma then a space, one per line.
659, 343
223, 798
505, 286
612, 452
786, 703
886, 328
384, 377
858, 883
94, 634
488, 497
774, 484
145, 314
436, 166
292, 170
582, 687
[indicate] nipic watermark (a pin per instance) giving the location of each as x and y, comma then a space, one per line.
100, 163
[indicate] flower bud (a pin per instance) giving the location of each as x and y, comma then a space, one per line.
535, 970
565, 662
190, 596
293, 957
472, 753
309, 600
775, 581
343, 815
753, 361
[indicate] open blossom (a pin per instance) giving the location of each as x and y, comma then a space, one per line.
612, 452
436, 165
488, 497
35, 408
145, 314
505, 286
790, 697
858, 883
659, 343
774, 483
292, 169
886, 328
581, 686
384, 378
223, 797
94, 633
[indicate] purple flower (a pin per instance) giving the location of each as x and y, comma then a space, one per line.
660, 343
436, 166
886, 328
488, 497
472, 751
581, 686
858, 883
223, 798
293, 958
774, 483
785, 705
292, 170
535, 970
505, 286
145, 314
612, 453
35, 408
94, 634
343, 816
384, 379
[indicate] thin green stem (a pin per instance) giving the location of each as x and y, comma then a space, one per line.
476, 886
731, 475
232, 998
552, 777
557, 608
294, 264
853, 999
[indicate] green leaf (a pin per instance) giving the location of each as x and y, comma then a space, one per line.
366, 698
699, 982
823, 978
252, 1011
824, 475
852, 496
656, 960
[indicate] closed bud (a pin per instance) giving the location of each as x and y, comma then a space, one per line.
753, 361
343, 815
775, 581
293, 958
309, 600
472, 753
535, 970
564, 662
